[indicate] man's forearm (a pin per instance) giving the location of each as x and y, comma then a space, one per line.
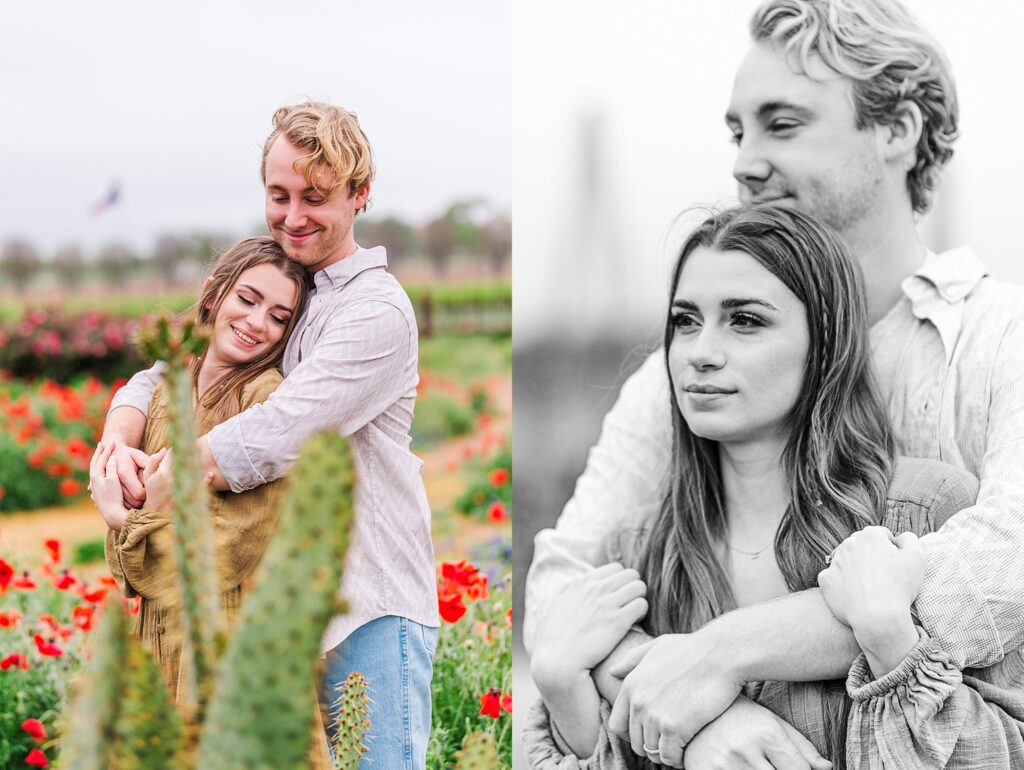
125, 424
794, 638
211, 472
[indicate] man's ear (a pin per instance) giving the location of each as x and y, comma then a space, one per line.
903, 134
362, 196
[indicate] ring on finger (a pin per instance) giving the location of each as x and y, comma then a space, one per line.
652, 751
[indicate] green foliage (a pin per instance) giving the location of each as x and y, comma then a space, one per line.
89, 552
491, 483
466, 358
439, 417
473, 655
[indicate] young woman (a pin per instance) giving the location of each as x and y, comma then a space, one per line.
249, 305
781, 451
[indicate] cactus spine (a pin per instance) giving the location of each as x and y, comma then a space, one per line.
352, 723
261, 711
197, 565
478, 752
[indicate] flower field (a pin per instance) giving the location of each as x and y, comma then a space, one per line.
49, 602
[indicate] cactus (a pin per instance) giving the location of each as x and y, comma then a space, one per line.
352, 723
197, 564
478, 752
260, 707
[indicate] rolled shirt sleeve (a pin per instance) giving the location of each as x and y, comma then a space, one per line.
138, 391
352, 374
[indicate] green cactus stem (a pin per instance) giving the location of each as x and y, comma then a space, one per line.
197, 565
261, 714
352, 722
122, 717
478, 752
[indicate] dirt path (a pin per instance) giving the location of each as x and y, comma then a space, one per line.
22, 534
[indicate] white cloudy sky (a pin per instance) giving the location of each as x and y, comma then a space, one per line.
175, 101
652, 79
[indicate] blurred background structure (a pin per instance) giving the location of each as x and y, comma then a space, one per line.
619, 129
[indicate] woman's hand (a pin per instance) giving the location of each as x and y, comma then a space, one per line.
157, 479
870, 585
746, 736
106, 487
583, 624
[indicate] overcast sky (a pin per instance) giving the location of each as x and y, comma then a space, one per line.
175, 101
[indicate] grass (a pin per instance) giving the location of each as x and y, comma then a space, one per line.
467, 357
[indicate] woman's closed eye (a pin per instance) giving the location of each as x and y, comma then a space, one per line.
684, 321
747, 321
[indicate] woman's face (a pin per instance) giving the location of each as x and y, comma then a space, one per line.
738, 348
254, 314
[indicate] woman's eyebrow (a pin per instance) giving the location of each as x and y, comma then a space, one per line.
735, 302
259, 294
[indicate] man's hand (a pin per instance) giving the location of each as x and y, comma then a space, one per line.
129, 463
870, 585
587, 620
608, 685
750, 736
105, 487
674, 686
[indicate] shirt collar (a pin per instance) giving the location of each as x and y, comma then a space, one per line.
938, 289
344, 270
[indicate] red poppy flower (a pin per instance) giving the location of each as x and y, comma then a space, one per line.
508, 616
48, 619
490, 703
65, 581
24, 582
47, 648
9, 618
6, 573
497, 512
450, 605
94, 596
69, 487
81, 616
499, 477
15, 659
36, 758
108, 581
53, 546
35, 728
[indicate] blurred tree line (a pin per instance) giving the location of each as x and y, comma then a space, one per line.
467, 230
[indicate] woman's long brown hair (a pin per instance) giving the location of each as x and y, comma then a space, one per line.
223, 399
837, 460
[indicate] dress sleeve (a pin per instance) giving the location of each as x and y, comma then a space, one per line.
926, 714
547, 750
621, 487
141, 556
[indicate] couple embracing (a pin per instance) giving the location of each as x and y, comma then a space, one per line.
798, 541
308, 332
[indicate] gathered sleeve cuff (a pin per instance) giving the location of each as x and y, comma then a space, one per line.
901, 719
143, 553
547, 750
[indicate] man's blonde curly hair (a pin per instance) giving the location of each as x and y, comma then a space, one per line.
338, 151
889, 57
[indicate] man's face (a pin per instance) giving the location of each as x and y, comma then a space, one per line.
314, 231
798, 141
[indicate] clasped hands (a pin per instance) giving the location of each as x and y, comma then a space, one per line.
122, 478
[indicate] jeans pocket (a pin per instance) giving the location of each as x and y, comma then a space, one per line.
429, 636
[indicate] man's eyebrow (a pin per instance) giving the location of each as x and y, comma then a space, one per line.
259, 294
282, 189
767, 109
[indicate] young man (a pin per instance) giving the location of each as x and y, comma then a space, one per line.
848, 112
350, 366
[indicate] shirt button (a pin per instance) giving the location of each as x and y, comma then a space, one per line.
160, 628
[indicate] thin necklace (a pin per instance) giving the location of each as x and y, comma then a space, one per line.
752, 554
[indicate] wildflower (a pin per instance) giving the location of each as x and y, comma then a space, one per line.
47, 648
53, 547
65, 581
69, 487
36, 758
450, 605
14, 659
499, 477
108, 581
24, 581
34, 728
81, 616
9, 618
506, 703
508, 617
95, 596
497, 512
6, 573
490, 703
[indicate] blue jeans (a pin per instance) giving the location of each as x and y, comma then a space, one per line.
396, 657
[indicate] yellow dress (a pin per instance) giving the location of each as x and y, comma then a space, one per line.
142, 560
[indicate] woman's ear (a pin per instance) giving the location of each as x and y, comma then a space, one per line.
208, 305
